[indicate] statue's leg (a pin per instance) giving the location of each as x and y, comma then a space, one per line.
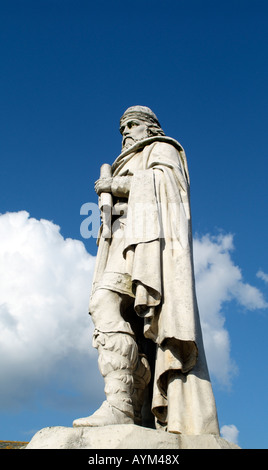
119, 361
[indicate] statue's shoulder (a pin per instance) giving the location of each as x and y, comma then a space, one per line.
163, 141
165, 145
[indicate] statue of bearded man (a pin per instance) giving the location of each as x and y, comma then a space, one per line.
143, 301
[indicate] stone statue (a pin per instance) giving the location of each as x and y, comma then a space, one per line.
143, 301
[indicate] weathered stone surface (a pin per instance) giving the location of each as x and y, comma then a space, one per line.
126, 436
143, 303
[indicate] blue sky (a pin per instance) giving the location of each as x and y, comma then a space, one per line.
69, 69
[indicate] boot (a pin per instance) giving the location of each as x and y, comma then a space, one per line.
118, 359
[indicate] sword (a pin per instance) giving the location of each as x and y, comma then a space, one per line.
106, 203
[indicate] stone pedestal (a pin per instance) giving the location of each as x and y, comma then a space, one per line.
122, 436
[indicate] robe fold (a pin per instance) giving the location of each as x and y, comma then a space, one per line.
150, 258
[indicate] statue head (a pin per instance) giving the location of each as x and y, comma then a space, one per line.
138, 123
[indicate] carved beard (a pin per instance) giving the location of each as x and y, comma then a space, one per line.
128, 141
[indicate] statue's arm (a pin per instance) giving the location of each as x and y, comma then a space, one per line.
118, 186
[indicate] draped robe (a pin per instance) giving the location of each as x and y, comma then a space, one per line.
152, 261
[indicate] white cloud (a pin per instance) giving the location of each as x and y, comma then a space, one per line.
218, 281
45, 283
262, 275
230, 433
45, 332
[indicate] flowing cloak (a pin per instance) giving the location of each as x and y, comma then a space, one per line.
156, 268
